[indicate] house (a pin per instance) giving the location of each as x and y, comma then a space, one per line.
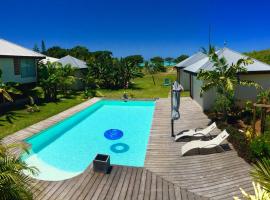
17, 63
81, 69
188, 69
49, 59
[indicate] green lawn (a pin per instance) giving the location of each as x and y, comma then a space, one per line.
145, 88
19, 119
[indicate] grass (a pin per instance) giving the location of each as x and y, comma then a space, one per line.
145, 88
18, 119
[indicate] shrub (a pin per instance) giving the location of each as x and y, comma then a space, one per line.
14, 184
240, 142
261, 173
260, 147
260, 193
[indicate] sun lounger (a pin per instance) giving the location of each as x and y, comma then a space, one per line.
200, 144
196, 132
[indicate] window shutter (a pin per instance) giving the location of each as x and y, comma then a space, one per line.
16, 66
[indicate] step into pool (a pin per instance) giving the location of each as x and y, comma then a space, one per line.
117, 128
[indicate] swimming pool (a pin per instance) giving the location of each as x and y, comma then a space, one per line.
67, 148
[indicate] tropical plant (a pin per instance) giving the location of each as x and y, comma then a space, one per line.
152, 69
8, 88
260, 146
32, 107
210, 51
261, 173
54, 78
225, 78
48, 80
14, 183
264, 97
66, 75
260, 193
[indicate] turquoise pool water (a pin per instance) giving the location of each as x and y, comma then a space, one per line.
67, 148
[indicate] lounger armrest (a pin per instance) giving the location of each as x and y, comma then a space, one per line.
181, 132
199, 133
214, 145
197, 129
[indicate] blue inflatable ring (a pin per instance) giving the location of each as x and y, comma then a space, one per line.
113, 134
119, 148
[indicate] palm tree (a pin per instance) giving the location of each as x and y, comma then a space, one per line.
261, 173
14, 183
225, 78
211, 50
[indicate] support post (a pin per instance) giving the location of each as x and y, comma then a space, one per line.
172, 121
254, 120
263, 120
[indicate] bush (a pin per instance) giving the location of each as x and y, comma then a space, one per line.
89, 93
240, 142
260, 147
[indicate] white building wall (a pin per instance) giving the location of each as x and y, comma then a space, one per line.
208, 98
185, 79
250, 93
8, 75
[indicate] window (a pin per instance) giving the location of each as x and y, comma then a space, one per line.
28, 67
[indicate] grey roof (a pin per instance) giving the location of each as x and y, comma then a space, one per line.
231, 57
10, 49
191, 60
73, 62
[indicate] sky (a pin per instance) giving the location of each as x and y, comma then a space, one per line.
147, 27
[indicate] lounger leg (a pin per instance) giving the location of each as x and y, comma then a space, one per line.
221, 148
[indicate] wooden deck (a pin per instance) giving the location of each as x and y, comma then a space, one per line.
166, 174
213, 175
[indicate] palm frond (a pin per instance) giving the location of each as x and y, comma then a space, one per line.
261, 173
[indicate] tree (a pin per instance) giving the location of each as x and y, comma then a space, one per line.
43, 47
224, 78
56, 52
128, 69
66, 76
54, 78
35, 48
159, 63
48, 80
136, 59
79, 52
112, 72
14, 184
151, 69
181, 58
210, 51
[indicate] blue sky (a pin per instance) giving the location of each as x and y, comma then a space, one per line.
146, 27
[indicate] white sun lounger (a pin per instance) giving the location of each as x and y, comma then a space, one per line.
196, 133
205, 144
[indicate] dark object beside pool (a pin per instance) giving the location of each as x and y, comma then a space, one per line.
113, 134
101, 163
